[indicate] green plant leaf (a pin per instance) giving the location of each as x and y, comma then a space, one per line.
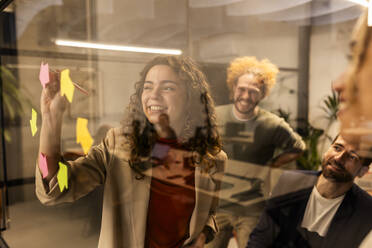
12, 97
7, 136
8, 108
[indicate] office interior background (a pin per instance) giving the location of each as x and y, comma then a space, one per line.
307, 39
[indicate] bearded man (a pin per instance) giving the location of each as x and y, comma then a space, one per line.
334, 212
251, 135
250, 81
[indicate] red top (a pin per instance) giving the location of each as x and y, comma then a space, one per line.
169, 213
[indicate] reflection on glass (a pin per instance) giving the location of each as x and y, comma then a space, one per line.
160, 167
355, 114
308, 209
251, 135
169, 151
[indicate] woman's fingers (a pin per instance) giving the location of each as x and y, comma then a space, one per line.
53, 86
51, 99
59, 103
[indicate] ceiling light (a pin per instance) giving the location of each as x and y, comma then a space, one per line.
72, 43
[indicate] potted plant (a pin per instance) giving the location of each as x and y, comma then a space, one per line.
12, 100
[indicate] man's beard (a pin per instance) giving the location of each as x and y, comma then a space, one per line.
340, 176
248, 109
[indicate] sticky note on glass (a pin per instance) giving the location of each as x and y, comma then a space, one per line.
82, 134
33, 122
44, 74
62, 176
67, 86
43, 166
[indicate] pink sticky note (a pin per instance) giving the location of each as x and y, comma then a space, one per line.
44, 74
43, 165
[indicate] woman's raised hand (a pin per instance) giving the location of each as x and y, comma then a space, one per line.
52, 106
51, 102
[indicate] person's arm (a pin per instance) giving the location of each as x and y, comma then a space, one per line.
53, 106
285, 158
83, 174
290, 142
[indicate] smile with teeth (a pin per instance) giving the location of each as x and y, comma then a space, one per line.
244, 103
156, 108
335, 167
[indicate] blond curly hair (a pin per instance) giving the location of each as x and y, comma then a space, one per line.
264, 70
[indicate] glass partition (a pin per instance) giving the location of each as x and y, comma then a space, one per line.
185, 112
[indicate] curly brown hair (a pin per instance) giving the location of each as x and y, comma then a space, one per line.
264, 70
199, 133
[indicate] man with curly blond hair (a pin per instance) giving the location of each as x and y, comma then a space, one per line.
251, 135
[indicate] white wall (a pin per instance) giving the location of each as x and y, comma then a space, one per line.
328, 58
117, 85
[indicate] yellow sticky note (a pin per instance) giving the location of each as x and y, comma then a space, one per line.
33, 122
81, 127
86, 142
62, 176
67, 87
82, 134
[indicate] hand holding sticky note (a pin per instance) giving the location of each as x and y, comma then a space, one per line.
43, 165
44, 74
62, 176
82, 134
67, 86
33, 122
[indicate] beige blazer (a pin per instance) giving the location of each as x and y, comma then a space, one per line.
126, 197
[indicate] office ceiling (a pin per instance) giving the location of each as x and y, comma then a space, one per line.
173, 23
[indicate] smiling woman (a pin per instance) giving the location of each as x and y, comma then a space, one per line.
173, 198
174, 85
163, 92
